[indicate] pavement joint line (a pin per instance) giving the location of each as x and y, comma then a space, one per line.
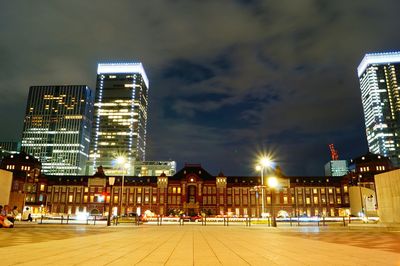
148, 243
193, 247
226, 246
212, 250
274, 245
152, 251
183, 235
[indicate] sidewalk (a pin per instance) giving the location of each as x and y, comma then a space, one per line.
193, 245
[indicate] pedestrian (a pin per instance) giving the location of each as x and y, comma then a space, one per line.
4, 222
26, 215
12, 216
8, 213
3, 211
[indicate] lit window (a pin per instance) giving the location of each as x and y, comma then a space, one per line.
315, 200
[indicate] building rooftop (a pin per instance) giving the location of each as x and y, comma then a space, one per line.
377, 58
119, 68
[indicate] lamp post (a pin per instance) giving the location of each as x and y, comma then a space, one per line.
361, 197
265, 162
121, 162
272, 184
111, 181
24, 200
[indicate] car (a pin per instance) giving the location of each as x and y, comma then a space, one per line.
195, 218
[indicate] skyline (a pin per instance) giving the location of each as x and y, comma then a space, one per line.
218, 83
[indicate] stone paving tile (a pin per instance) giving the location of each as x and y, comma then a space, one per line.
387, 241
196, 245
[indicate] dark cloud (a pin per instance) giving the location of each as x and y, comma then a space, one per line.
228, 79
187, 72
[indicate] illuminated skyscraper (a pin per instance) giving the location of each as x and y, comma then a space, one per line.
379, 74
57, 127
336, 168
120, 116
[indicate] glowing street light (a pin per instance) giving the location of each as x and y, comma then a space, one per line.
272, 182
265, 162
120, 160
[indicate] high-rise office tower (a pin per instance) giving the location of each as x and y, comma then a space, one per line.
336, 168
379, 74
120, 116
57, 127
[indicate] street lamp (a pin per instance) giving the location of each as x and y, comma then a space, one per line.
111, 181
272, 184
121, 162
265, 162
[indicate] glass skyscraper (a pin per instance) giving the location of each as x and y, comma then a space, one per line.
57, 127
379, 74
120, 116
336, 168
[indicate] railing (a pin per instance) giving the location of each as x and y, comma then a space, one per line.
71, 219
208, 220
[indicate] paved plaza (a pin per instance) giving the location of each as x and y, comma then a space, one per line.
196, 245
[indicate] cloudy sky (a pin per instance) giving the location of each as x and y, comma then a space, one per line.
228, 79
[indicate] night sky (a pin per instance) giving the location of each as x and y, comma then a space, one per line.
228, 79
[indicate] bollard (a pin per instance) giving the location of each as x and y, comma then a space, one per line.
344, 221
67, 218
227, 221
94, 221
87, 220
41, 219
249, 221
349, 219
62, 219
290, 220
161, 220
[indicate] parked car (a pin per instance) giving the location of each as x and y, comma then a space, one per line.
195, 218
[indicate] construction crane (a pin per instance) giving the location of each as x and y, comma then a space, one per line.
334, 153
